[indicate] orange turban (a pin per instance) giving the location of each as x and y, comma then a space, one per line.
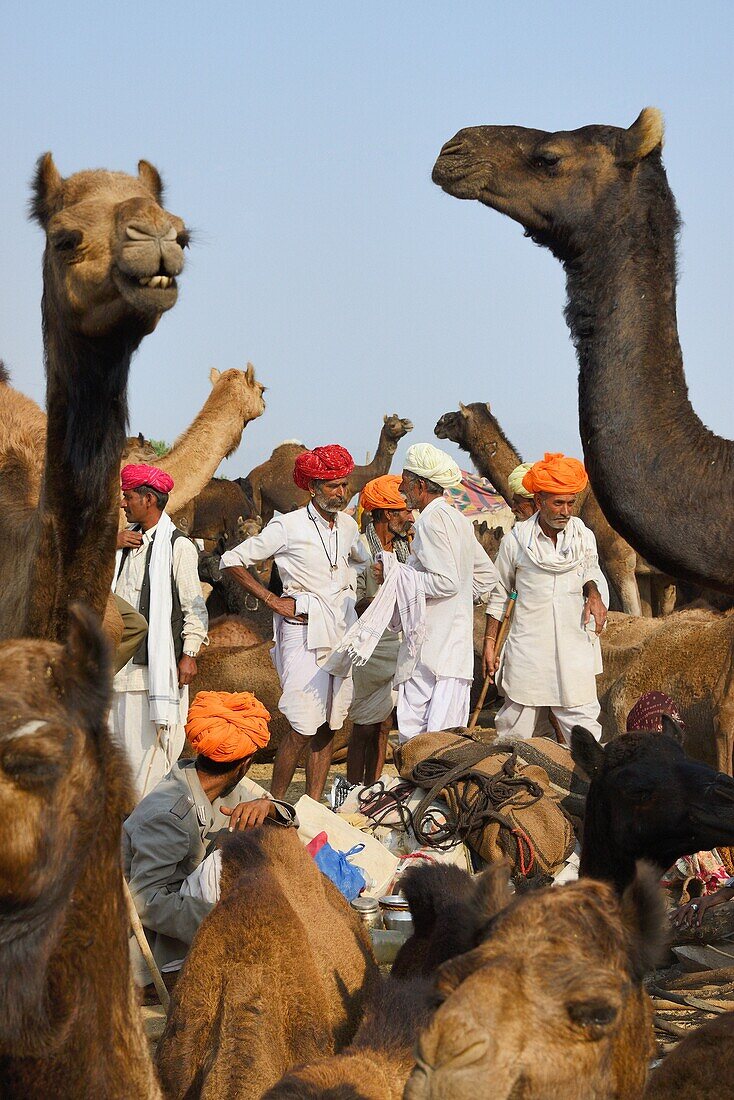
382, 492
556, 474
227, 725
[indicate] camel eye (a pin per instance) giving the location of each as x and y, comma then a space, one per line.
67, 240
30, 769
546, 160
592, 1015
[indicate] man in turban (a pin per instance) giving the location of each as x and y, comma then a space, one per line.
387, 528
523, 502
173, 881
552, 656
434, 681
318, 553
157, 573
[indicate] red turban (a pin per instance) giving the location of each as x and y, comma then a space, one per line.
132, 477
383, 492
227, 725
322, 464
556, 474
648, 711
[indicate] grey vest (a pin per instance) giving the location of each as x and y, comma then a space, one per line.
177, 617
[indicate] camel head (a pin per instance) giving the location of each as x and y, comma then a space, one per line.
112, 251
551, 1003
489, 538
648, 800
394, 428
239, 389
557, 185
465, 425
55, 759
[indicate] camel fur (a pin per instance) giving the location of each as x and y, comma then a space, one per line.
702, 1064
69, 1022
551, 1003
278, 973
475, 429
599, 199
272, 484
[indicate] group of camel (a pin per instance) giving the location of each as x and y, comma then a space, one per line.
571, 959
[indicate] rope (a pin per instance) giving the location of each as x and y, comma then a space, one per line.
379, 801
478, 798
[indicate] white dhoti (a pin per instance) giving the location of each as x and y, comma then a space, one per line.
517, 720
151, 750
427, 702
374, 694
311, 697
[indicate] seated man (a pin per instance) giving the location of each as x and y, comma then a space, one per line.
173, 882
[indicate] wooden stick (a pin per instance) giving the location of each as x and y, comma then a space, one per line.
160, 985
504, 630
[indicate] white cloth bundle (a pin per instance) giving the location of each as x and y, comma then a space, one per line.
400, 604
164, 695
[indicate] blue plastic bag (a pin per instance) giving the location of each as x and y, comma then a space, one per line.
335, 865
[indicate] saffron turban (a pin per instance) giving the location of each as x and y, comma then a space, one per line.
648, 711
227, 725
515, 480
426, 461
382, 492
322, 464
133, 476
556, 474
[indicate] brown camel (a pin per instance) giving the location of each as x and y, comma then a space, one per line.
688, 655
278, 974
218, 512
702, 1065
599, 198
476, 430
109, 273
551, 1003
69, 1022
489, 537
272, 483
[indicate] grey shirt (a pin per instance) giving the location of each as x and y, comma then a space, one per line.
164, 839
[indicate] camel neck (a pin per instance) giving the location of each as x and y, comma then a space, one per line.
636, 420
495, 458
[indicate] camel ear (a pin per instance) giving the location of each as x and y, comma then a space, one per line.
492, 892
250, 374
586, 752
150, 177
214, 376
463, 410
644, 135
673, 728
488, 407
84, 673
47, 188
451, 974
644, 916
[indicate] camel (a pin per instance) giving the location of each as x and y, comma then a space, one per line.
219, 511
551, 1003
648, 800
109, 273
489, 538
69, 1022
278, 973
476, 430
702, 1064
690, 656
599, 198
272, 483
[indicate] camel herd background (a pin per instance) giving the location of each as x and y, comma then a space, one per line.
598, 198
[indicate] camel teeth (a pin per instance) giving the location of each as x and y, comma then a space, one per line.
144, 281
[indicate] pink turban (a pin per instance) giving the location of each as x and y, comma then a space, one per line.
322, 464
648, 711
133, 476
556, 473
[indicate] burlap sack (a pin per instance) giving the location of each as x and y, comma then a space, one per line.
502, 799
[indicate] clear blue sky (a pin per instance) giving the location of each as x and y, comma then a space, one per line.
297, 139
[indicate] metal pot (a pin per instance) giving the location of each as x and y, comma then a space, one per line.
396, 914
369, 911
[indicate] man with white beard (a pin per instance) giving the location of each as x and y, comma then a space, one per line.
553, 655
318, 553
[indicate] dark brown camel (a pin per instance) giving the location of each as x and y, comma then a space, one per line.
70, 1026
701, 1066
109, 273
219, 512
599, 198
476, 430
272, 483
278, 974
648, 800
551, 1002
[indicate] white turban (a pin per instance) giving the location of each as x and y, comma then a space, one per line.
515, 480
426, 461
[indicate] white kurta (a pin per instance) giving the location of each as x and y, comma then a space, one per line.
550, 659
318, 567
434, 689
152, 750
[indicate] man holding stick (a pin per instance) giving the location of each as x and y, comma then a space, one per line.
552, 655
